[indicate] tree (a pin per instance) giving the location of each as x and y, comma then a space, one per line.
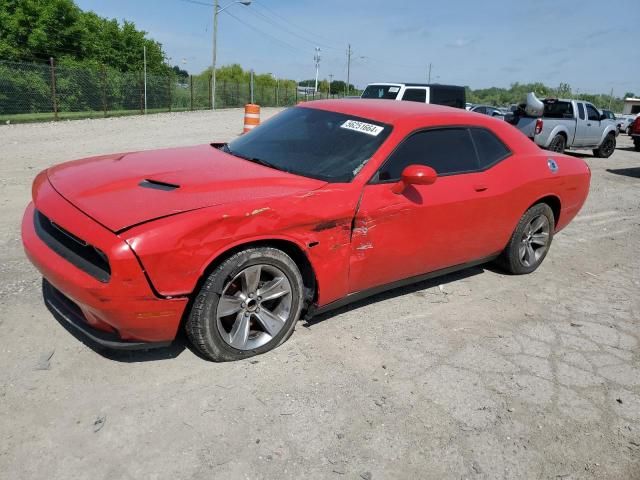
39, 29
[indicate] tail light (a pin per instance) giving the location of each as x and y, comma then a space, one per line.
539, 125
636, 125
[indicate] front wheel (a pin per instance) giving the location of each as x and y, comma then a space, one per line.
606, 149
247, 306
530, 242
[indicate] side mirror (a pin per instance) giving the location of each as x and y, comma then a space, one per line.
415, 175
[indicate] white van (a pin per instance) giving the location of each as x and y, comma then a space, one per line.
449, 95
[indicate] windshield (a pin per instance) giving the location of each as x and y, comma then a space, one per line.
313, 143
381, 91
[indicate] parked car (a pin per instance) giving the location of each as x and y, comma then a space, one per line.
557, 124
625, 122
487, 110
449, 95
635, 133
323, 204
468, 106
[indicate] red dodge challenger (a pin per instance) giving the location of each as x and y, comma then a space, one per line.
325, 203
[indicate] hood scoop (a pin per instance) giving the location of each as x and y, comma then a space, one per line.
158, 185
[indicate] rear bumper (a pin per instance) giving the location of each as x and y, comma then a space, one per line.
122, 312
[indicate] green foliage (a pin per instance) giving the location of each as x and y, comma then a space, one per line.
517, 93
40, 29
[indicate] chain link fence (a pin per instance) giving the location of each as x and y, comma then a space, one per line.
42, 92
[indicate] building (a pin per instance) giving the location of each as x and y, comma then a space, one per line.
631, 106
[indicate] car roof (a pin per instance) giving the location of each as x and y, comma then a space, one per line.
412, 84
384, 111
411, 115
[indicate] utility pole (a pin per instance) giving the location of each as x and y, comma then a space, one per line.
251, 85
213, 60
316, 59
330, 80
144, 56
429, 76
348, 69
610, 98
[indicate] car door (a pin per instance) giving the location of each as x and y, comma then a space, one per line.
582, 129
415, 94
426, 227
594, 127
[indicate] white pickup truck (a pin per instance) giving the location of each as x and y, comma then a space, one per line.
557, 124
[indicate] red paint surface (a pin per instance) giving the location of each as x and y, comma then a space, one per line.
362, 235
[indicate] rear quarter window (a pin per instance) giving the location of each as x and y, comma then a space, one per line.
558, 110
415, 95
489, 147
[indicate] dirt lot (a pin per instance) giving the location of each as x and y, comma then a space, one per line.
475, 375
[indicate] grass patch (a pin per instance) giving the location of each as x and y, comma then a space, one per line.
49, 117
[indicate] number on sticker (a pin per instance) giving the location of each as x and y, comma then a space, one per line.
363, 127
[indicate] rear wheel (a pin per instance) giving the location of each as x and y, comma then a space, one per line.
636, 144
558, 144
247, 306
608, 146
530, 241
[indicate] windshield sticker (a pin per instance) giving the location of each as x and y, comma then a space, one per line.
367, 128
394, 89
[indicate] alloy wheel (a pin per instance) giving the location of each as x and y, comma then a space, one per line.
535, 241
254, 307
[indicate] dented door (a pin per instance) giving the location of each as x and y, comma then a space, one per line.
423, 229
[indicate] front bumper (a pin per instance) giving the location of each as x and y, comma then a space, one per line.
122, 312
65, 310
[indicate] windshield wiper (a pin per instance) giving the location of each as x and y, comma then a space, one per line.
259, 161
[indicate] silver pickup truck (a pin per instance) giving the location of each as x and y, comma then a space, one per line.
557, 124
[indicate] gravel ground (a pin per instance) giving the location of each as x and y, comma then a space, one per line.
474, 375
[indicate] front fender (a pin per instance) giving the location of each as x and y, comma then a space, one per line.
176, 251
608, 130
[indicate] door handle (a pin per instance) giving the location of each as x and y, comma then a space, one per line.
479, 188
588, 124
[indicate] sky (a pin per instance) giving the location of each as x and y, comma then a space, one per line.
589, 44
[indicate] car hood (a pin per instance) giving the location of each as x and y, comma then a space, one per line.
127, 189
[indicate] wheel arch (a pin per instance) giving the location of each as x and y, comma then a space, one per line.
554, 203
558, 130
289, 247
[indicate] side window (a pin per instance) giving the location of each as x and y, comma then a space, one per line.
447, 151
581, 111
490, 149
415, 95
482, 110
592, 113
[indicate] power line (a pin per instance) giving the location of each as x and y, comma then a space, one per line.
275, 14
253, 27
281, 26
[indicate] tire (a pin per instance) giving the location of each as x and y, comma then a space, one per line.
558, 144
225, 325
608, 146
636, 144
512, 259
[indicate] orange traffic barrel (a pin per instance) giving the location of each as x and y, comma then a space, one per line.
251, 117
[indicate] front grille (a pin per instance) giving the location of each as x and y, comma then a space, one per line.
72, 248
